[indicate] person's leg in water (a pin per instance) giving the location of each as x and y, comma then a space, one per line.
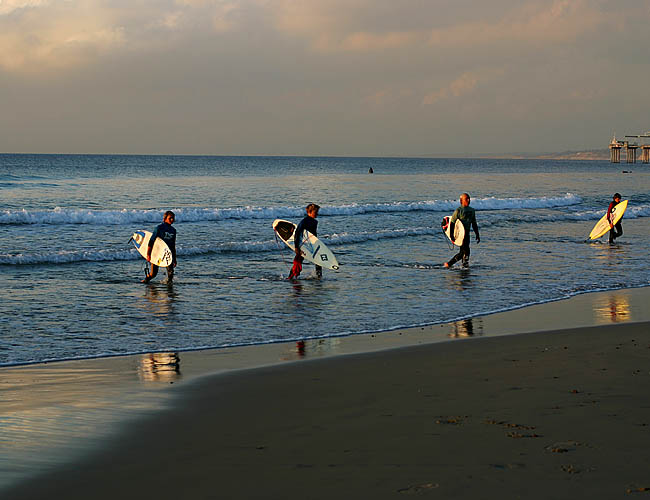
466, 253
152, 275
319, 271
463, 253
170, 274
615, 232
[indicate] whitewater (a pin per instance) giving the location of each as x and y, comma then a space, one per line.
70, 280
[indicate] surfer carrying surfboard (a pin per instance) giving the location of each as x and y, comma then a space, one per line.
467, 217
309, 223
167, 233
616, 230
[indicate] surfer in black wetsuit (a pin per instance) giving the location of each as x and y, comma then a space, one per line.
309, 223
616, 230
467, 217
167, 233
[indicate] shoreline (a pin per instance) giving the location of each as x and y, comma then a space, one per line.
89, 402
410, 330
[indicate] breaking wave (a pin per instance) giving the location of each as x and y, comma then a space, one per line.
60, 216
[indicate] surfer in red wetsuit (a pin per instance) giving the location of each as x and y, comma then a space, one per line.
616, 230
167, 233
309, 223
467, 217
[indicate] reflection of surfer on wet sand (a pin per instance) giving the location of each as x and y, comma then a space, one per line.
613, 309
465, 328
160, 367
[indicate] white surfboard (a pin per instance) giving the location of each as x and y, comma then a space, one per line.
602, 226
311, 248
161, 255
459, 230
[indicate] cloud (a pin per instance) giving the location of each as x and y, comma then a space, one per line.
41, 35
546, 22
388, 97
50, 35
372, 25
462, 85
344, 26
9, 6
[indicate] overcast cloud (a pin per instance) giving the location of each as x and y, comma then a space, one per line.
321, 77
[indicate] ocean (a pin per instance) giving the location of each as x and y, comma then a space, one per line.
70, 280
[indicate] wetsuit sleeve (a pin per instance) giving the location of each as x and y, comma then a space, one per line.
452, 221
154, 235
172, 247
475, 225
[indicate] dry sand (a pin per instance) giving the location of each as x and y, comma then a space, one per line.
561, 415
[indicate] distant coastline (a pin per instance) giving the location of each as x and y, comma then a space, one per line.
589, 154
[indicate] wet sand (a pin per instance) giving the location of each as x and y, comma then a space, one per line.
559, 414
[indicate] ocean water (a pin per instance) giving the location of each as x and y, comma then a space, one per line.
70, 280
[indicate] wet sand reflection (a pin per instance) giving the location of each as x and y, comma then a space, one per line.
160, 367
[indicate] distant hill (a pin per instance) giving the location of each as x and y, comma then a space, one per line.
589, 154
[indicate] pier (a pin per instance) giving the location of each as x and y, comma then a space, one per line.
631, 147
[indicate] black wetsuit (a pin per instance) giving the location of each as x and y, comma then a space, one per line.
167, 233
307, 224
617, 230
467, 217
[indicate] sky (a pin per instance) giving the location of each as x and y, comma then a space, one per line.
322, 77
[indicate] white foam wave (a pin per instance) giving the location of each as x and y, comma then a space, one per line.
632, 212
107, 255
59, 216
270, 245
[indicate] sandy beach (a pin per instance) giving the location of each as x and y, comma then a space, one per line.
559, 414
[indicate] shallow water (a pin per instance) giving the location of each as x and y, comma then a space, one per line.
70, 279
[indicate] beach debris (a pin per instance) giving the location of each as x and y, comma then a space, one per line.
412, 490
570, 469
563, 447
508, 466
643, 489
519, 427
519, 435
510, 425
450, 420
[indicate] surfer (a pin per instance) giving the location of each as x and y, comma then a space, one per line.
615, 230
467, 216
167, 233
309, 223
